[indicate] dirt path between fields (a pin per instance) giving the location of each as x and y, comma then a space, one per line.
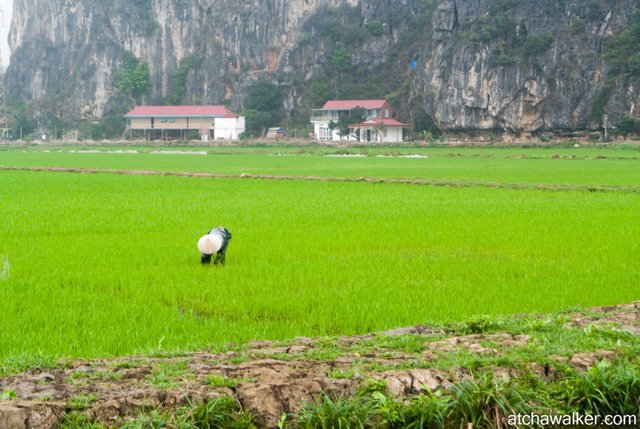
270, 379
402, 181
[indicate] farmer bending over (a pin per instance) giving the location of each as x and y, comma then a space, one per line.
215, 241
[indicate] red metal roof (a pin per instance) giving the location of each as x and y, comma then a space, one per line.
180, 111
387, 122
353, 104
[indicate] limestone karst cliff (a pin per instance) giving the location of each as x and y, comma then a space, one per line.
515, 66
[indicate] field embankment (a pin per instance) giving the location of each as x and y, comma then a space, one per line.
480, 371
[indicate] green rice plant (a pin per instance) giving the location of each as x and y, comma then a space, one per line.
486, 403
357, 257
490, 167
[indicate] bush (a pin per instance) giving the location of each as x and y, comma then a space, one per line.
222, 412
622, 50
486, 403
341, 58
534, 45
430, 410
134, 79
578, 26
336, 413
179, 80
376, 28
604, 390
628, 126
263, 107
505, 60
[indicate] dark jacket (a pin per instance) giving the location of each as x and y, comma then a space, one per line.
225, 234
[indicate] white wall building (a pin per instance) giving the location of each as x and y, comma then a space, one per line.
379, 125
212, 122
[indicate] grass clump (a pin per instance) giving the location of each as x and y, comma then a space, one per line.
486, 403
168, 375
604, 389
8, 395
75, 420
336, 413
224, 381
81, 402
221, 412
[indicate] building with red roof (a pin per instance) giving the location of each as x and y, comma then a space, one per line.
382, 130
215, 122
379, 125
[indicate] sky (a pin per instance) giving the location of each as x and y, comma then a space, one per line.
7, 7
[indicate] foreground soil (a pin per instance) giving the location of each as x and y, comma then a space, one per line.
270, 379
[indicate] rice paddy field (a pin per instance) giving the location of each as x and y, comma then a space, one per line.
105, 264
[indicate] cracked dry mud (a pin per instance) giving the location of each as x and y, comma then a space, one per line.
268, 378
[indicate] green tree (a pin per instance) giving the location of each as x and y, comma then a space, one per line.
179, 80
628, 126
134, 79
23, 124
423, 123
341, 58
622, 51
263, 96
376, 28
263, 107
352, 116
319, 90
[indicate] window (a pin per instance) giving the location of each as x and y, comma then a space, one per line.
324, 133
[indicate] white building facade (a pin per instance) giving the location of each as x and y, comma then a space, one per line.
383, 128
215, 122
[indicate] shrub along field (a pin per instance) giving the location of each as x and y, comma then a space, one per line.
96, 265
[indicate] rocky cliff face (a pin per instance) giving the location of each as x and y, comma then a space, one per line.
517, 66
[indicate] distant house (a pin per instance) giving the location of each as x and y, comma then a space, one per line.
215, 122
378, 126
381, 130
